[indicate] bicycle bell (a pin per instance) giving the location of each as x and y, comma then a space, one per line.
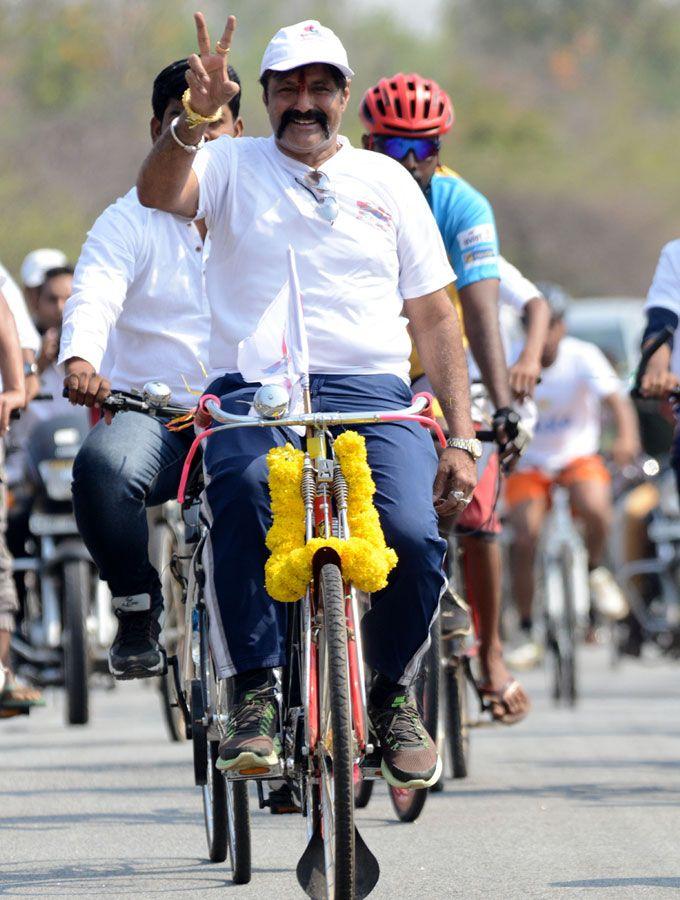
156, 394
271, 401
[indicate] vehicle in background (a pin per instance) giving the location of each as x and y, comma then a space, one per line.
66, 623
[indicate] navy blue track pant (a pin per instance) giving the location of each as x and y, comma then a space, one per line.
248, 627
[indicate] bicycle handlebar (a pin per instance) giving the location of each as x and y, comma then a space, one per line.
657, 341
16, 413
123, 401
320, 420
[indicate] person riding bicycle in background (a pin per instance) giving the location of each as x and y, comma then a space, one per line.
17, 335
52, 297
369, 259
35, 266
577, 380
138, 313
406, 117
662, 374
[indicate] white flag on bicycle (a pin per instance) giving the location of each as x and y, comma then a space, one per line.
277, 351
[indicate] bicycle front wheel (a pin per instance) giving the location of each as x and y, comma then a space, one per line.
457, 726
238, 820
77, 589
215, 807
335, 750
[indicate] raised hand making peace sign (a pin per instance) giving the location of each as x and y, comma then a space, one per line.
208, 76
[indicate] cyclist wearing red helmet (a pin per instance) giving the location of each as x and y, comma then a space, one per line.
405, 117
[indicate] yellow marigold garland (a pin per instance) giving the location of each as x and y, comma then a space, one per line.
366, 559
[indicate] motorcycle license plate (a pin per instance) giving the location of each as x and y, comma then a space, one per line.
59, 523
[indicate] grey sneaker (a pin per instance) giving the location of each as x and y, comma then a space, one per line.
409, 755
251, 740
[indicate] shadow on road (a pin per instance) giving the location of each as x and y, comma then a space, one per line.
631, 881
117, 877
589, 792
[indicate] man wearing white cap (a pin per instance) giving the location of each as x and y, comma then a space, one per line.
33, 270
370, 262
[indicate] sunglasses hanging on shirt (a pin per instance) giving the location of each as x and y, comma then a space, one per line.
319, 186
399, 147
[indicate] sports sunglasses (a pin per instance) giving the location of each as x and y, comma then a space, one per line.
399, 147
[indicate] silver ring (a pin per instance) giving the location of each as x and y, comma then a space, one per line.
460, 497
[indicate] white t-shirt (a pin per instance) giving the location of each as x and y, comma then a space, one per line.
514, 292
383, 247
665, 291
138, 312
29, 339
568, 400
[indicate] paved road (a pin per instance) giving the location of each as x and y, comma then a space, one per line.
568, 804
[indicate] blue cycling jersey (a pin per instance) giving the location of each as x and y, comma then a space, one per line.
467, 226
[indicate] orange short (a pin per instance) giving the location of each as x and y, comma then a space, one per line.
534, 484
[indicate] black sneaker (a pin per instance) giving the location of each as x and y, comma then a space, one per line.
135, 652
281, 801
409, 755
251, 740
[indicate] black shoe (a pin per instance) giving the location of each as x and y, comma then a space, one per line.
409, 755
251, 740
281, 801
135, 652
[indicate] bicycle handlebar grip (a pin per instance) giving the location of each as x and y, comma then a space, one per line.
427, 410
649, 351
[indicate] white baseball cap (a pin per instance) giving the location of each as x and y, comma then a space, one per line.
38, 262
302, 45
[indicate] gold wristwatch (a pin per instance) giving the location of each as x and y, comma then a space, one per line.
470, 445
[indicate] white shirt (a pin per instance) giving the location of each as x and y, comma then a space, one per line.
665, 291
383, 247
568, 399
138, 311
514, 292
29, 339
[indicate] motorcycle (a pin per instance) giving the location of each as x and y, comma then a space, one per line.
67, 623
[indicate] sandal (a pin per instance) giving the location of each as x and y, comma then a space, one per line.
491, 700
19, 696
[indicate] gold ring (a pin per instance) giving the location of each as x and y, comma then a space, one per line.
221, 49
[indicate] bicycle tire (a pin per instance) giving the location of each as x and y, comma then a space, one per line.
199, 734
76, 599
457, 727
568, 691
408, 803
553, 624
215, 807
238, 830
363, 791
172, 636
337, 800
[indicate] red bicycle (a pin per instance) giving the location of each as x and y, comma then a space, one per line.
322, 695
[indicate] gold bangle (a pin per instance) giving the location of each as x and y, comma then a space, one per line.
194, 118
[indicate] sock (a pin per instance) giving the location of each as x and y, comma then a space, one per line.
382, 688
253, 680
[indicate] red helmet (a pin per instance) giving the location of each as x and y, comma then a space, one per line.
404, 104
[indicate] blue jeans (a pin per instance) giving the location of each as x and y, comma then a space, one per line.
120, 470
249, 628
